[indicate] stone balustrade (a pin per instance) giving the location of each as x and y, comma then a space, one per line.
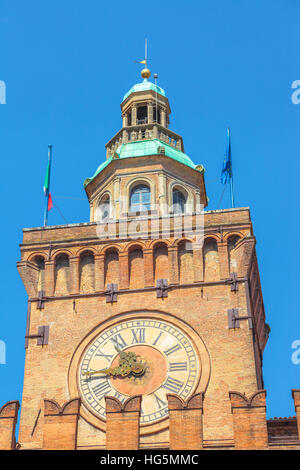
143, 132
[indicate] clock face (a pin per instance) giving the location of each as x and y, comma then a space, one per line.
170, 359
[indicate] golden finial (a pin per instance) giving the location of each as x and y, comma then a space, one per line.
145, 73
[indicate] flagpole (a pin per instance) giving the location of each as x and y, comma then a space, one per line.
230, 168
48, 189
231, 190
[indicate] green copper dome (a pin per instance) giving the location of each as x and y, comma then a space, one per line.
143, 148
144, 86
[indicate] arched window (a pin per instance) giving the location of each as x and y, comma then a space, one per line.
103, 210
140, 198
40, 263
179, 201
62, 274
211, 260
232, 255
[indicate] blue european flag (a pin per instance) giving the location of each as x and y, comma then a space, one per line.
227, 164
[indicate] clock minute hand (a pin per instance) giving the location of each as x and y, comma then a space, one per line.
101, 371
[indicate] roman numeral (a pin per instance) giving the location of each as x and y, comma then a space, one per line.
178, 366
157, 338
106, 356
118, 341
102, 389
160, 403
173, 385
138, 335
172, 349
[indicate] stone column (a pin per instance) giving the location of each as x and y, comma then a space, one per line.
8, 420
249, 420
99, 272
296, 398
122, 423
49, 277
60, 425
186, 427
125, 120
163, 119
179, 144
150, 113
223, 260
133, 115
74, 274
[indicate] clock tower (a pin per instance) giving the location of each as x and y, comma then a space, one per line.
146, 325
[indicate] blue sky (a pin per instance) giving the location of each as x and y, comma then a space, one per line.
67, 65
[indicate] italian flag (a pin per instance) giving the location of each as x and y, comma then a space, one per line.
47, 186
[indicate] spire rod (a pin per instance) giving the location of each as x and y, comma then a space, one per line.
145, 72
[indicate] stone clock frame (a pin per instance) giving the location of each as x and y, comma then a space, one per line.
197, 342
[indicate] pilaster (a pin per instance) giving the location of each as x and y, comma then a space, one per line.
198, 264
223, 259
148, 267
173, 264
296, 398
49, 277
249, 420
162, 193
122, 423
116, 205
60, 425
186, 427
8, 420
124, 270
74, 274
99, 272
